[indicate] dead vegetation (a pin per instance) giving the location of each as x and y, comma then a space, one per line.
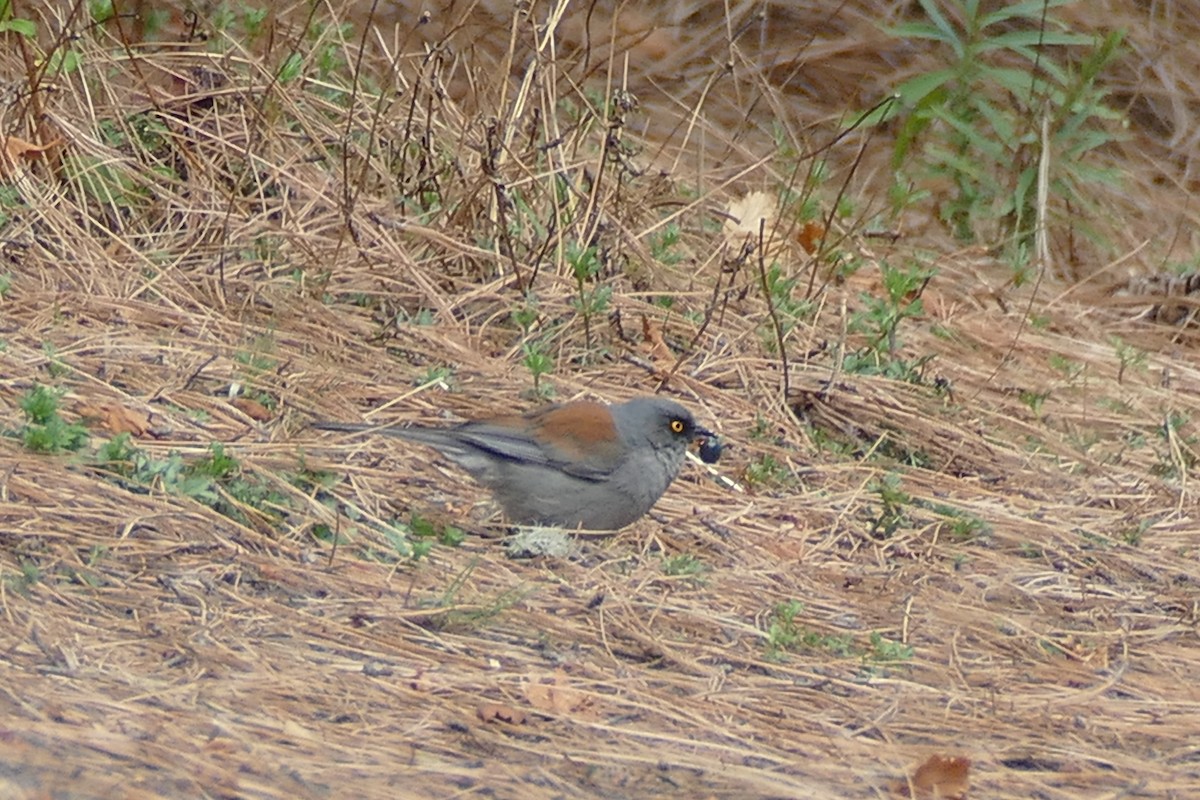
990, 555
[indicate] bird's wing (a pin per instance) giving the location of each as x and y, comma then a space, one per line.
518, 448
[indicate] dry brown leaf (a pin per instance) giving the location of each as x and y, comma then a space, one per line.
810, 236
252, 408
752, 219
747, 213
939, 778
495, 712
656, 346
116, 418
555, 695
15, 148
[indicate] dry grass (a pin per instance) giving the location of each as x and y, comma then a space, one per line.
1025, 527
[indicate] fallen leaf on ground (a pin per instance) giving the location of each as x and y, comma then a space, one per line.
751, 219
116, 419
495, 712
748, 213
252, 408
939, 778
15, 148
810, 236
555, 695
652, 338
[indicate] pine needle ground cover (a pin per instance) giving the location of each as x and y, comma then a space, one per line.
950, 549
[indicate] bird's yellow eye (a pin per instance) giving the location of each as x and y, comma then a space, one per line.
677, 426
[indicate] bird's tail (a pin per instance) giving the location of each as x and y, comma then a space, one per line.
434, 437
466, 454
363, 427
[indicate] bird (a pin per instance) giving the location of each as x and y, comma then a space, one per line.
578, 465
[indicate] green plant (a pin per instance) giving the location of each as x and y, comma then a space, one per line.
30, 575
458, 614
762, 430
591, 298
118, 454
253, 21
425, 529
785, 634
1129, 357
893, 447
217, 465
1133, 535
684, 565
961, 526
976, 123
424, 317
1179, 456
309, 480
901, 301
45, 431
105, 181
57, 62
527, 314
892, 503
787, 308
62, 61
219, 481
328, 40
101, 11
539, 363
255, 362
403, 547
291, 68
437, 376
10, 200
40, 404
216, 479
664, 245
783, 631
767, 471
54, 365
1071, 369
880, 322
884, 650
406, 541
19, 25
1034, 400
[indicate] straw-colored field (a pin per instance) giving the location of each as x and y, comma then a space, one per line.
961, 530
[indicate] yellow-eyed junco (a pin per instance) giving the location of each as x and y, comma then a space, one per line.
577, 465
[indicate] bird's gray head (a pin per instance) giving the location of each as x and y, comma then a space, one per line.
655, 420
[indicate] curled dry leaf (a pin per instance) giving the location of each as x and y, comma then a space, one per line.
252, 408
15, 149
555, 695
810, 236
939, 778
116, 419
753, 216
652, 340
496, 712
747, 213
